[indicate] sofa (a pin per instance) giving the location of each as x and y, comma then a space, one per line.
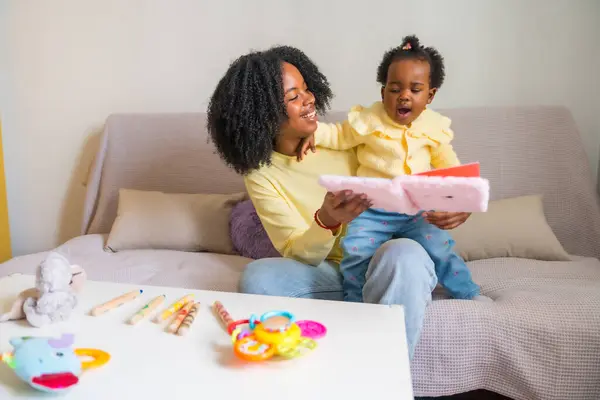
539, 339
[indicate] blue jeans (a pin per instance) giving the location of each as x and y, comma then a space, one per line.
374, 227
400, 272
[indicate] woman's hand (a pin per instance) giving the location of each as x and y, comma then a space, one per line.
342, 207
446, 220
305, 145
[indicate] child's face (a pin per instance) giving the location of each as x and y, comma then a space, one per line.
299, 104
407, 91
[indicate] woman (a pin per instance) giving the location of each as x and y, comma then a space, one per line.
261, 110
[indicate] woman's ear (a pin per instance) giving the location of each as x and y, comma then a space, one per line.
382, 91
432, 93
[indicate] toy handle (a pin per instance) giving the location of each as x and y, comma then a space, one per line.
252, 321
99, 358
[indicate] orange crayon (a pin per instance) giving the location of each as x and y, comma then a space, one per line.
188, 320
224, 316
180, 317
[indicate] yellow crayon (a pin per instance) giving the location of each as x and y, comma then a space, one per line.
180, 317
147, 309
178, 305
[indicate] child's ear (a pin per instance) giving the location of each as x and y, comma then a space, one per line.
432, 93
382, 91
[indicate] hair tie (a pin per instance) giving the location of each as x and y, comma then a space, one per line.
407, 46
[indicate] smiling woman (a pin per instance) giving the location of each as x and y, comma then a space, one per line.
265, 105
5, 252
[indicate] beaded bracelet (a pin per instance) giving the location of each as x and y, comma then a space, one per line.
322, 225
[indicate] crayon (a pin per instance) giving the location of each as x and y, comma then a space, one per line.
188, 320
224, 316
116, 302
178, 305
147, 309
181, 314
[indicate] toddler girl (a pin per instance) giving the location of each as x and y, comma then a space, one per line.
396, 136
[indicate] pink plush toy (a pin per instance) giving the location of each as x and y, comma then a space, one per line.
410, 194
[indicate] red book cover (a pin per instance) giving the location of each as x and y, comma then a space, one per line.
467, 170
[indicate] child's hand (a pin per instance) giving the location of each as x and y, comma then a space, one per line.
305, 145
446, 220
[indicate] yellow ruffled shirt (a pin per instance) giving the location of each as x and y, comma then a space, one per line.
386, 149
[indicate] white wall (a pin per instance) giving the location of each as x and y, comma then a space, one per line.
66, 64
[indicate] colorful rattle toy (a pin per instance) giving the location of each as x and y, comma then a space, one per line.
51, 365
275, 333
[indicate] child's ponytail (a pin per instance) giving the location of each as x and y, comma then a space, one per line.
411, 48
411, 43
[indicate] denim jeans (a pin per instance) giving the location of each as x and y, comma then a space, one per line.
374, 227
400, 272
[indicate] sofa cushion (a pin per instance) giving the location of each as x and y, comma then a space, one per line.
247, 233
513, 227
207, 271
168, 221
542, 327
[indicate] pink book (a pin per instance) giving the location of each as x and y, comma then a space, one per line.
457, 189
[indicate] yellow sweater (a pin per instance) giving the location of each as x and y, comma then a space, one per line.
286, 195
386, 149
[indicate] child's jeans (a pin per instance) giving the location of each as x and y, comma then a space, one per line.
374, 227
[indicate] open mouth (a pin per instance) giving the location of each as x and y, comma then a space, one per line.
57, 381
311, 116
403, 112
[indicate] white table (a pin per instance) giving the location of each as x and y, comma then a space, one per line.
364, 354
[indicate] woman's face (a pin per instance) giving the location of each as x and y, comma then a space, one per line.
299, 104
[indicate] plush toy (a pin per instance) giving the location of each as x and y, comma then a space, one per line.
54, 295
46, 364
49, 364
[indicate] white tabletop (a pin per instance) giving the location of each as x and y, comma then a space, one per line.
364, 354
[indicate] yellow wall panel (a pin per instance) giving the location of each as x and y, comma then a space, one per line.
5, 252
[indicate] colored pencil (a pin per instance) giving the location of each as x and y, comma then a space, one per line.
116, 302
147, 309
178, 305
222, 313
188, 320
181, 314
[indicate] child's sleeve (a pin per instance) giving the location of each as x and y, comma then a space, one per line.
443, 155
338, 136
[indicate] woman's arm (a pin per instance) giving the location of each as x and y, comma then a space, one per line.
287, 229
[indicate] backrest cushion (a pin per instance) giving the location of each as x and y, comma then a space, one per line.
522, 150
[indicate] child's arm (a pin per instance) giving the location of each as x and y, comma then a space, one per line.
338, 136
444, 156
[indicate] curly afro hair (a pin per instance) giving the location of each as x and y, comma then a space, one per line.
246, 110
411, 48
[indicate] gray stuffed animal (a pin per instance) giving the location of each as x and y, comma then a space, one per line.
54, 295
